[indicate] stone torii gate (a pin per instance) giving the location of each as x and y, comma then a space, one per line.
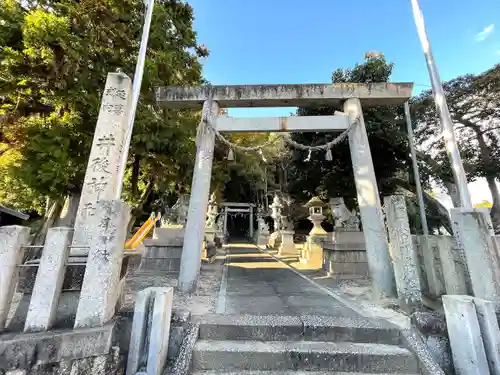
350, 97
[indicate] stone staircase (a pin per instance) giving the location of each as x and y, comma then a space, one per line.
314, 345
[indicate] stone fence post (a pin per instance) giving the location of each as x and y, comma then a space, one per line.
402, 251
49, 280
473, 231
100, 290
12, 239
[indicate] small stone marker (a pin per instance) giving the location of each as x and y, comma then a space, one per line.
100, 290
12, 238
102, 169
151, 324
49, 280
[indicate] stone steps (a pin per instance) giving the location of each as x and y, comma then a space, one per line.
302, 355
286, 372
273, 344
297, 328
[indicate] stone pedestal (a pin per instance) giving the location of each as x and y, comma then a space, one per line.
169, 234
209, 250
101, 284
312, 252
345, 255
287, 247
161, 256
275, 240
262, 239
12, 238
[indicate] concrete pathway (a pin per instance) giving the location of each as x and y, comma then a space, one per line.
256, 283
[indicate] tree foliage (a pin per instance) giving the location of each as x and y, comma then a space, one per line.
55, 56
388, 145
474, 105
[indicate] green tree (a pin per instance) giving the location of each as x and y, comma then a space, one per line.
55, 56
388, 145
474, 104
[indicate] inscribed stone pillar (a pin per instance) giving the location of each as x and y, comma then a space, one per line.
377, 247
101, 177
402, 251
49, 280
200, 190
100, 290
473, 234
12, 238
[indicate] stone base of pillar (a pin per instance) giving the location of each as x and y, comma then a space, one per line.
170, 233
262, 239
209, 249
312, 252
100, 290
287, 247
275, 240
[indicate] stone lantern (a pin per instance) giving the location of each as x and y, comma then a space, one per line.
316, 216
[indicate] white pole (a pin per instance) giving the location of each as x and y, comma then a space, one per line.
420, 196
442, 108
136, 90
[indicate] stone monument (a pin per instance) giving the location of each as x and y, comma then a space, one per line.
101, 178
100, 182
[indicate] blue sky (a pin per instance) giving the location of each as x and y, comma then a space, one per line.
296, 41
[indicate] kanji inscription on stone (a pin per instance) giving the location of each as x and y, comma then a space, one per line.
100, 181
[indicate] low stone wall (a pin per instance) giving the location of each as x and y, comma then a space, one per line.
73, 276
442, 269
76, 352
97, 351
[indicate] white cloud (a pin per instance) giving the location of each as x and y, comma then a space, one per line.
485, 33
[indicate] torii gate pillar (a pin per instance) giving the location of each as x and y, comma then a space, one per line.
198, 201
377, 245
